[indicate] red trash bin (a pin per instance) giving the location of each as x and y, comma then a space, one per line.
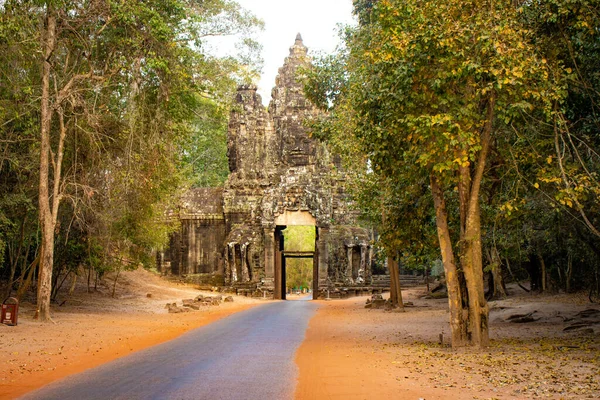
10, 311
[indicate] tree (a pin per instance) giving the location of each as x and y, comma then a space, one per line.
118, 85
430, 87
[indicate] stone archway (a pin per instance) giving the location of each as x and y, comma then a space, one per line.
282, 221
279, 176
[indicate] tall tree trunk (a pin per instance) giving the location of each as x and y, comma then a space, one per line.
395, 292
472, 266
45, 212
455, 302
471, 255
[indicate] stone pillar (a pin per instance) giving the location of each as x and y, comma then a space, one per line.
315, 280
362, 274
269, 252
191, 250
369, 271
245, 270
349, 276
227, 271
234, 276
184, 246
323, 238
278, 292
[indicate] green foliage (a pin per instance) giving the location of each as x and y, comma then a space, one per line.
299, 273
299, 238
408, 97
205, 154
144, 104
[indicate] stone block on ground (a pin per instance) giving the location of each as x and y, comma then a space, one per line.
174, 309
193, 306
378, 303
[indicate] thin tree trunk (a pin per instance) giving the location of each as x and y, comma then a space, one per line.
55, 279
543, 270
513, 276
73, 283
497, 288
14, 258
569, 274
45, 212
89, 275
26, 283
471, 259
457, 318
395, 292
115, 282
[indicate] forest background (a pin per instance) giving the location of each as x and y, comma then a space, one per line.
109, 110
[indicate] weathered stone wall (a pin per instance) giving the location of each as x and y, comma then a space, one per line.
197, 247
278, 173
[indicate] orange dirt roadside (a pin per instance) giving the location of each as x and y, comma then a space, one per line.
355, 353
92, 329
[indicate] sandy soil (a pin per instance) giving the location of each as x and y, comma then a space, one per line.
91, 329
355, 353
350, 352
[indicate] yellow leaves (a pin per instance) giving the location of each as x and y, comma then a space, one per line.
566, 202
549, 160
536, 185
516, 71
550, 180
462, 161
508, 208
439, 119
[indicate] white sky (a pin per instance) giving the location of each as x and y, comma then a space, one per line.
316, 20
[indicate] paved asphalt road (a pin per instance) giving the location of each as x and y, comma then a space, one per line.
248, 355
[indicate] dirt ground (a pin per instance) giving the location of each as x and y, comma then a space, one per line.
355, 353
349, 352
92, 329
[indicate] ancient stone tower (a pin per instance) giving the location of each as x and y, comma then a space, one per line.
280, 176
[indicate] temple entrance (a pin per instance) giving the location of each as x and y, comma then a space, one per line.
296, 255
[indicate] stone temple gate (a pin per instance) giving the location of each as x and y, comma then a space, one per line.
231, 237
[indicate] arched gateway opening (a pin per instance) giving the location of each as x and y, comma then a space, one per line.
283, 253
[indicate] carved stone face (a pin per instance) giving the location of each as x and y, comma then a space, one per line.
298, 148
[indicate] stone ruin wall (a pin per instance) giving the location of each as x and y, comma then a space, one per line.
192, 250
227, 235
